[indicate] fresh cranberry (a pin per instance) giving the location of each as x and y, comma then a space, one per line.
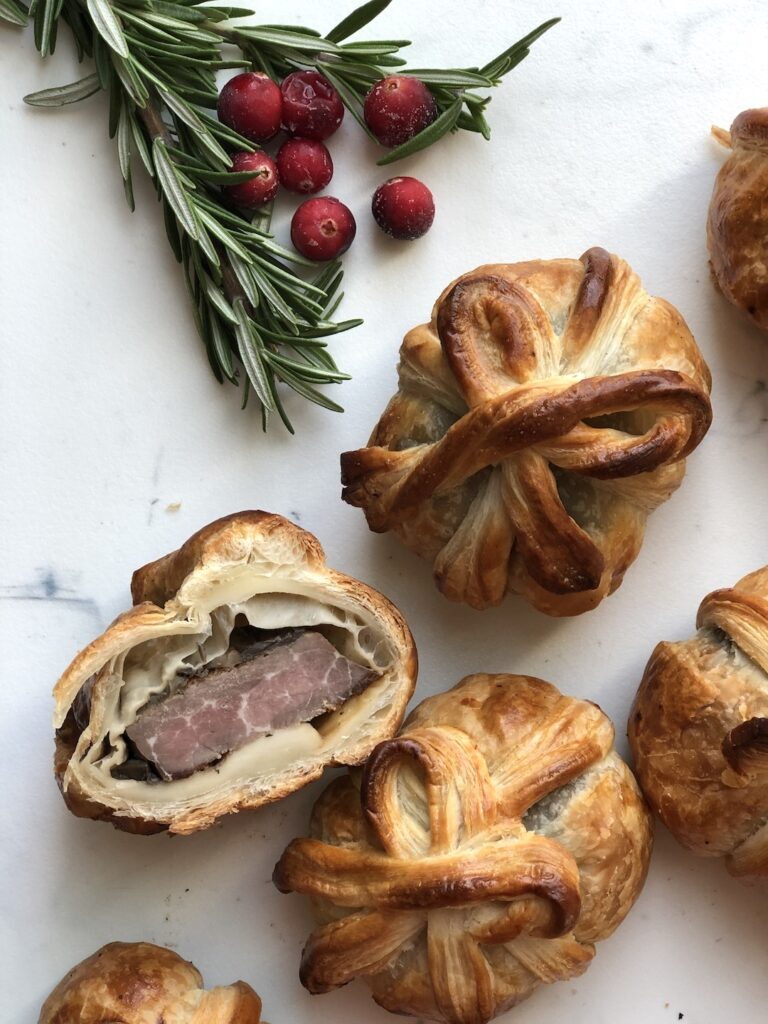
305, 165
251, 104
322, 228
397, 108
403, 207
255, 192
311, 106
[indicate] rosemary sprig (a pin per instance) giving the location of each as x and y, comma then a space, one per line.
261, 320
352, 68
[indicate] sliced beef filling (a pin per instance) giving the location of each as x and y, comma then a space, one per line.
265, 682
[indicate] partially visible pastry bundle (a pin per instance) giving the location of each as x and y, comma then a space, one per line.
244, 668
480, 853
139, 983
737, 226
699, 730
541, 416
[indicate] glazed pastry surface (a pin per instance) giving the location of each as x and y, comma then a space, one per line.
542, 415
699, 729
482, 852
138, 983
255, 574
737, 225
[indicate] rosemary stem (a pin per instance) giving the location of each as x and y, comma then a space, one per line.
232, 287
157, 128
153, 122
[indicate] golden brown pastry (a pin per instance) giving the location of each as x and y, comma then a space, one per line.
138, 983
479, 854
737, 226
245, 667
542, 415
699, 730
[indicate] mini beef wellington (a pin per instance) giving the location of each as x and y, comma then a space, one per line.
541, 416
737, 225
699, 730
483, 851
244, 668
138, 983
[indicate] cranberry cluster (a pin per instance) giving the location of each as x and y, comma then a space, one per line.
309, 109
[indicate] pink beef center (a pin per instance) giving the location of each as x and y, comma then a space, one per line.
221, 710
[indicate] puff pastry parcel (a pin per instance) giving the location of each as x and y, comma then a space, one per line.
138, 983
244, 668
737, 225
699, 730
542, 415
479, 854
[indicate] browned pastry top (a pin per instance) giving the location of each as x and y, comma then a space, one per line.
478, 854
699, 729
138, 983
737, 225
544, 412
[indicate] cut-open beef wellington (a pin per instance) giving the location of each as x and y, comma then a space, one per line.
244, 668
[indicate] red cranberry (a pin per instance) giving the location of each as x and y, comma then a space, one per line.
397, 108
403, 207
255, 192
251, 105
311, 106
322, 228
305, 165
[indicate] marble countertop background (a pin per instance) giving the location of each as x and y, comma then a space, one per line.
116, 444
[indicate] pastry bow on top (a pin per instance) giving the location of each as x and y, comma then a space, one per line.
427, 869
541, 416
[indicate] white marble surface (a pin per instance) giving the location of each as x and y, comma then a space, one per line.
110, 415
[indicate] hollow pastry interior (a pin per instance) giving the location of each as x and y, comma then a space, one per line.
249, 687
